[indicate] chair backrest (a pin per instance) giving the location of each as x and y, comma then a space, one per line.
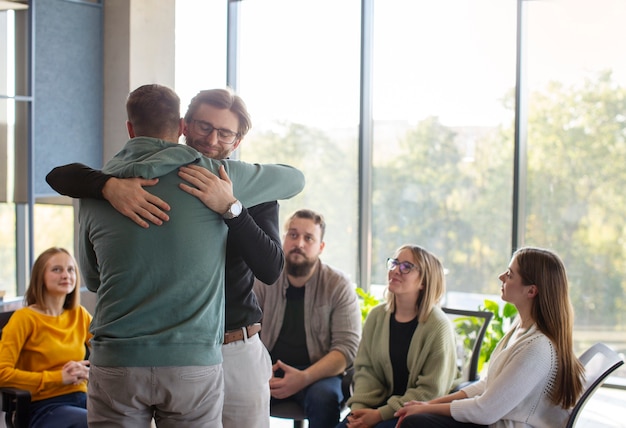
15, 402
599, 361
4, 319
288, 409
470, 327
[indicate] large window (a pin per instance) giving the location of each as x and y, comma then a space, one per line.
444, 133
576, 154
200, 47
444, 74
34, 136
7, 250
444, 169
11, 105
299, 75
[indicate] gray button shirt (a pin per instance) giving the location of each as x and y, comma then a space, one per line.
332, 316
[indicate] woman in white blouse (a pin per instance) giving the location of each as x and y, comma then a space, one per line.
534, 378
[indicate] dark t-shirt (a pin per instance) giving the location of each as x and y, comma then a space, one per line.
400, 335
290, 346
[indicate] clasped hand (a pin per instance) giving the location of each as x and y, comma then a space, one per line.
75, 372
293, 381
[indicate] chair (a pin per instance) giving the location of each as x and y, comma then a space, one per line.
599, 361
15, 402
470, 327
288, 409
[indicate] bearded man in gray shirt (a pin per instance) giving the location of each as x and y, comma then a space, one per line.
311, 323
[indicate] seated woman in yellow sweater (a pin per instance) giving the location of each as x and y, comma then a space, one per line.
43, 345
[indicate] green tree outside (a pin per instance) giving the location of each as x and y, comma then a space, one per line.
431, 193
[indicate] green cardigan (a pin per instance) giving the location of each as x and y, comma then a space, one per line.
431, 362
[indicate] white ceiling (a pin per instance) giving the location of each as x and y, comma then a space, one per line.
13, 5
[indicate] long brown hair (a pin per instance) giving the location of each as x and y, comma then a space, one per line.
37, 287
553, 313
432, 277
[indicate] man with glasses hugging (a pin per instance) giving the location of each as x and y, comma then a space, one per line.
215, 124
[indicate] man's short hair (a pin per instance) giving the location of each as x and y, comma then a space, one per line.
310, 215
222, 99
153, 110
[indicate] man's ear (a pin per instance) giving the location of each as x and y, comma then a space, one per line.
236, 144
181, 126
130, 129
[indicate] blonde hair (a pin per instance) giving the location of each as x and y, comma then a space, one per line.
432, 279
37, 287
553, 313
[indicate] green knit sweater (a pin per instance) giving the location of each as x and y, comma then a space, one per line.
431, 361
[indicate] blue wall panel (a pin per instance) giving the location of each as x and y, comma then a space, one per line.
68, 88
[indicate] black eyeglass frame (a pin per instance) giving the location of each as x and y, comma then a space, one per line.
403, 267
224, 136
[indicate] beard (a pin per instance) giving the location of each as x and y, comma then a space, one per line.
299, 269
217, 152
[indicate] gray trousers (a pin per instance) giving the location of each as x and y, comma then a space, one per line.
176, 397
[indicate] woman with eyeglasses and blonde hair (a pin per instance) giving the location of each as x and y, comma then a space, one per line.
407, 350
43, 345
534, 378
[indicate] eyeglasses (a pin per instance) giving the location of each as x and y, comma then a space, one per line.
403, 267
224, 136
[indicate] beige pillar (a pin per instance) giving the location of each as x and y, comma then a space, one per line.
139, 44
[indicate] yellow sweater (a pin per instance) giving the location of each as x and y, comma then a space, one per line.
35, 347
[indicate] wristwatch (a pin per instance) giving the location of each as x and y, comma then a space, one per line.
234, 209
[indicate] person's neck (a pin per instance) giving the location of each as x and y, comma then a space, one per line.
299, 281
53, 307
525, 320
170, 138
405, 310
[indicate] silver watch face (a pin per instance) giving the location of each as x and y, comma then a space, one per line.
235, 209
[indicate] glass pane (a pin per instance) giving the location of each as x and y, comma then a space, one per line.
54, 227
8, 285
576, 156
299, 75
444, 78
200, 47
7, 250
